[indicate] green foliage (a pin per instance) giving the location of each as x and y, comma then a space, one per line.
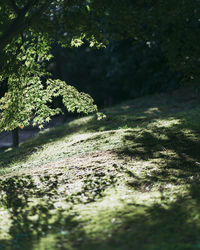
27, 97
29, 28
27, 31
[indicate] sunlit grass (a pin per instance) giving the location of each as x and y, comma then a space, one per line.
130, 181
5, 223
164, 123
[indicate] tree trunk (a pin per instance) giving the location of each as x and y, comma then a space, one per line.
15, 137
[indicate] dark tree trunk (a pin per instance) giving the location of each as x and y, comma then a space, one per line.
15, 137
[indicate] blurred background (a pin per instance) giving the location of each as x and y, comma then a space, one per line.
124, 70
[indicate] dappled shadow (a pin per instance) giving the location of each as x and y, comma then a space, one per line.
159, 227
172, 157
31, 203
16, 155
139, 112
31, 210
179, 150
148, 145
40, 206
38, 223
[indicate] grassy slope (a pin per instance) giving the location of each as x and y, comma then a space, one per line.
128, 182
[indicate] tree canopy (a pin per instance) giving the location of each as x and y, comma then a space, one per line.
27, 31
29, 28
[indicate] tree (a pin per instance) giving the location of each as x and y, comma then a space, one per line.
120, 71
175, 26
29, 28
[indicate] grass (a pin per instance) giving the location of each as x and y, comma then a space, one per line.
130, 181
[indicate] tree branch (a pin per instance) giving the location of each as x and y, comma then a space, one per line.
39, 12
15, 7
21, 23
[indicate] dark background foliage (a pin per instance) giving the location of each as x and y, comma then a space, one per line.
124, 70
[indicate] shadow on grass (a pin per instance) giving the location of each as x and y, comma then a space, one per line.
37, 224
177, 149
158, 228
37, 213
29, 212
128, 115
32, 221
175, 160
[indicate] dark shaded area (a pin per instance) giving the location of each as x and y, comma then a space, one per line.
122, 71
30, 200
15, 137
25, 200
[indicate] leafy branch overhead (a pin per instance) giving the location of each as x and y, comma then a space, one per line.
29, 29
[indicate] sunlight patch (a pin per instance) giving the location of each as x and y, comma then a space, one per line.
147, 198
190, 133
46, 242
170, 153
125, 107
5, 224
81, 121
151, 111
165, 123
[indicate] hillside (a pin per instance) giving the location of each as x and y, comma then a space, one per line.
130, 181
